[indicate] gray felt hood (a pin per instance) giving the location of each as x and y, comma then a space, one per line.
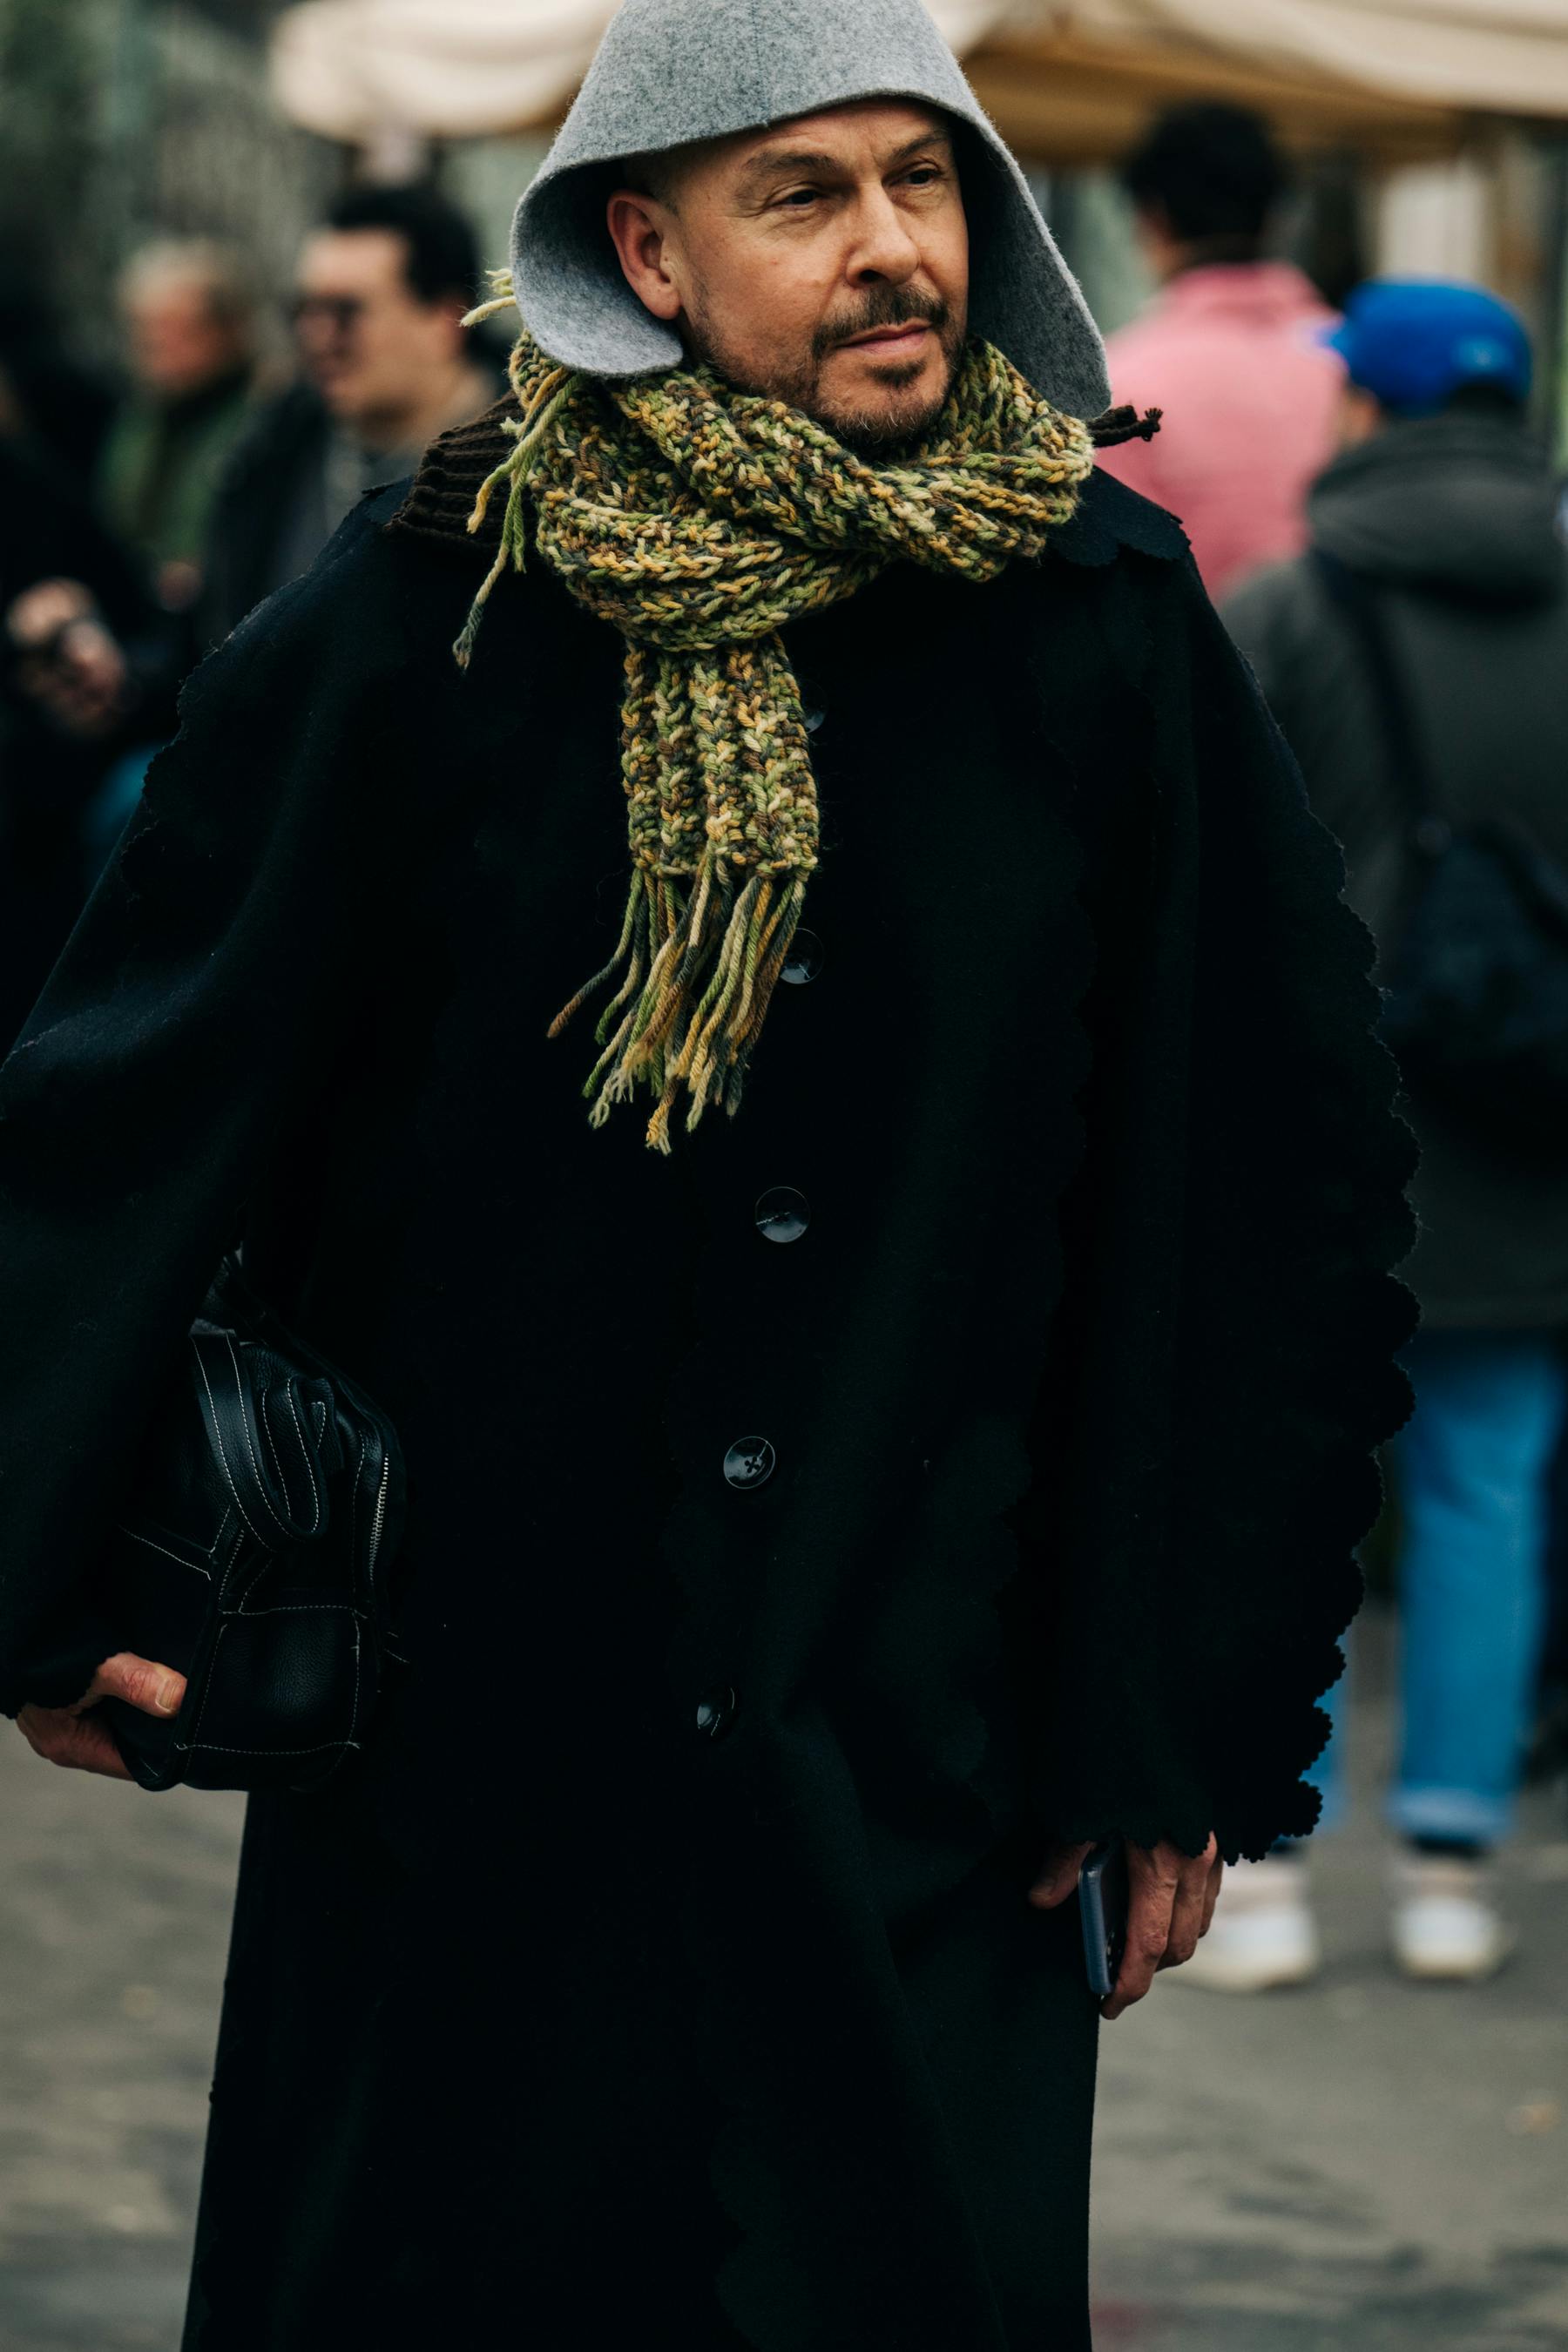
671, 71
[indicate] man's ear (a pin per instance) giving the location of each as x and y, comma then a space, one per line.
639, 227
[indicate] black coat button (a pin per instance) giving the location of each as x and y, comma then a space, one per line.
804, 959
716, 1714
751, 1462
814, 719
783, 1214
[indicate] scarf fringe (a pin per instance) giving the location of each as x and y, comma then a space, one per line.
530, 432
696, 973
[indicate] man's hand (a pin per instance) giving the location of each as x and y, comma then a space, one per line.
80, 1740
1172, 1899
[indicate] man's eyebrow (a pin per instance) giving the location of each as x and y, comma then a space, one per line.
779, 162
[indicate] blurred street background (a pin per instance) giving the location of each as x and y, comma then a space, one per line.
236, 243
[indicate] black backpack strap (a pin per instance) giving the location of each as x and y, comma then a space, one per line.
1356, 598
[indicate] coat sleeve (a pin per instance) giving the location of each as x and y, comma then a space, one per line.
1234, 1322
195, 1006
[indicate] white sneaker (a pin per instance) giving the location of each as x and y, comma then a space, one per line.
1263, 1934
1445, 1927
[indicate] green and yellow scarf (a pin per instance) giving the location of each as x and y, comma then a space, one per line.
700, 519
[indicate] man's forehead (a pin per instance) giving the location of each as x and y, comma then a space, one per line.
881, 126
366, 254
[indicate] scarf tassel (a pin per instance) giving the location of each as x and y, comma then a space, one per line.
529, 434
694, 972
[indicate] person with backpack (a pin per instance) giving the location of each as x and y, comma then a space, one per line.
1417, 659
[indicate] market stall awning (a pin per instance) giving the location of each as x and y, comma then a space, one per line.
460, 68
1069, 80
1507, 57
1077, 95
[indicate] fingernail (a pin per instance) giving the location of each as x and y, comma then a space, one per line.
168, 1697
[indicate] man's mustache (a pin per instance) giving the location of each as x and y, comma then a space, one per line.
884, 306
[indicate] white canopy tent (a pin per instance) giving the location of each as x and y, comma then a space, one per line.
1506, 57
1402, 71
457, 69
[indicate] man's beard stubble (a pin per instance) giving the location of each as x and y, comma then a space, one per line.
867, 433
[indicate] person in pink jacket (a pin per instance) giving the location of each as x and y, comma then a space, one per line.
1230, 349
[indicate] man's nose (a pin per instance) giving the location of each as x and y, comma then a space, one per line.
884, 247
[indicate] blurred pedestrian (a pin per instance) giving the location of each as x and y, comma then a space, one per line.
1417, 660
382, 290
191, 324
687, 1954
74, 612
1230, 350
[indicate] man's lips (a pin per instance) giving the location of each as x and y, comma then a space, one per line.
901, 338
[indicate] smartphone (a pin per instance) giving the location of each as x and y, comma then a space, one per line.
1102, 1902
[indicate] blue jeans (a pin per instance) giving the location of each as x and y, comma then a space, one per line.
1473, 1472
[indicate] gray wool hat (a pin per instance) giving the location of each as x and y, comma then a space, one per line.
671, 71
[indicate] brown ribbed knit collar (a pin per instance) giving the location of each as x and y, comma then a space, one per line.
445, 488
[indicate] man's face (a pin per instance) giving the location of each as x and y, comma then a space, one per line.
374, 350
823, 262
179, 341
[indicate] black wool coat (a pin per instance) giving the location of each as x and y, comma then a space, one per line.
662, 1972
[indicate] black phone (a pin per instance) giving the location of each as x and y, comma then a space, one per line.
1103, 1897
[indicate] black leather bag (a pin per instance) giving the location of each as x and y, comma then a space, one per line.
253, 1555
1476, 1009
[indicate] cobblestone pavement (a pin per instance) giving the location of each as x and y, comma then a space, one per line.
1360, 2167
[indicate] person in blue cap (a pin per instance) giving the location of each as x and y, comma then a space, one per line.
1420, 654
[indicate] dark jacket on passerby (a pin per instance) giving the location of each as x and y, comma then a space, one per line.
1453, 517
289, 482
163, 462
268, 519
664, 1970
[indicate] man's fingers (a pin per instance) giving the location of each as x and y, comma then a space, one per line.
77, 1738
1058, 1875
140, 1682
1154, 1880
77, 1743
1211, 1894
1187, 1911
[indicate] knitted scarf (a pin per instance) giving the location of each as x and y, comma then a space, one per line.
698, 520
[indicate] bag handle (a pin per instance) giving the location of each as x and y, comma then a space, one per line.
271, 1462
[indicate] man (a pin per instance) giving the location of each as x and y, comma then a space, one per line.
190, 316
1440, 515
1231, 347
825, 1522
383, 286
61, 691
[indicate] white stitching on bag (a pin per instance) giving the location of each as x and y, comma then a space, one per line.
195, 1567
304, 1457
245, 1427
272, 1449
223, 1457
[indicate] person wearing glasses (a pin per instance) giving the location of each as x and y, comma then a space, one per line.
381, 289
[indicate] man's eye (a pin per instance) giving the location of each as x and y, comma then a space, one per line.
925, 175
798, 199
